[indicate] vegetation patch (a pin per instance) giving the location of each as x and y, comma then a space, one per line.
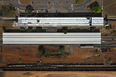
58, 52
61, 48
41, 49
22, 29
29, 29
78, 1
7, 10
96, 9
20, 60
110, 27
65, 30
109, 61
39, 29
94, 6
1, 74
29, 10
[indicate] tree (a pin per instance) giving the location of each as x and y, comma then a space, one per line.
22, 29
96, 9
39, 29
61, 48
78, 1
3, 28
28, 11
41, 49
29, 29
65, 30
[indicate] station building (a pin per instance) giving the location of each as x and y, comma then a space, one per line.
59, 21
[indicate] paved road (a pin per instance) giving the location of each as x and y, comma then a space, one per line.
68, 7
108, 38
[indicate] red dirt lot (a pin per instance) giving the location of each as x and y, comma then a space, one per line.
111, 53
26, 1
28, 54
109, 32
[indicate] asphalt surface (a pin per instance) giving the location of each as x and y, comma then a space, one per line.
108, 38
53, 6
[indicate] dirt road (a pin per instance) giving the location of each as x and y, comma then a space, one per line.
59, 74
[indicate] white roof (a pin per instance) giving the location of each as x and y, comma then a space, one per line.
97, 21
51, 38
53, 21
59, 21
27, 21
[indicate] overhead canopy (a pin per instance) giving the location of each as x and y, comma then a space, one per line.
51, 38
52, 21
97, 21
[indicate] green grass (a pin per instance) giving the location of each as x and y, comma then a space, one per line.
78, 1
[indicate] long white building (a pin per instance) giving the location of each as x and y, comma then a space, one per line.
59, 21
51, 38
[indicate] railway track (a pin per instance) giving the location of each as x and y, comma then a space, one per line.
58, 67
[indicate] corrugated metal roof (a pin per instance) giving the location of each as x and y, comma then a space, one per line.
97, 21
51, 38
60, 21
53, 21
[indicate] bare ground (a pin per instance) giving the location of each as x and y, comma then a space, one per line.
28, 54
109, 7
59, 74
26, 1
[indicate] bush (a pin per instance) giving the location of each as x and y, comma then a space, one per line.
22, 29
3, 28
29, 29
41, 49
39, 29
78, 1
62, 48
96, 9
65, 30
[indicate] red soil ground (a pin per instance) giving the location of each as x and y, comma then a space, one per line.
60, 74
28, 54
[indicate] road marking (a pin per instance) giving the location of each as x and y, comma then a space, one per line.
72, 7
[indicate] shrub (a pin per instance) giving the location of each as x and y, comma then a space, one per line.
62, 48
96, 9
22, 29
39, 29
65, 30
41, 49
29, 29
78, 1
